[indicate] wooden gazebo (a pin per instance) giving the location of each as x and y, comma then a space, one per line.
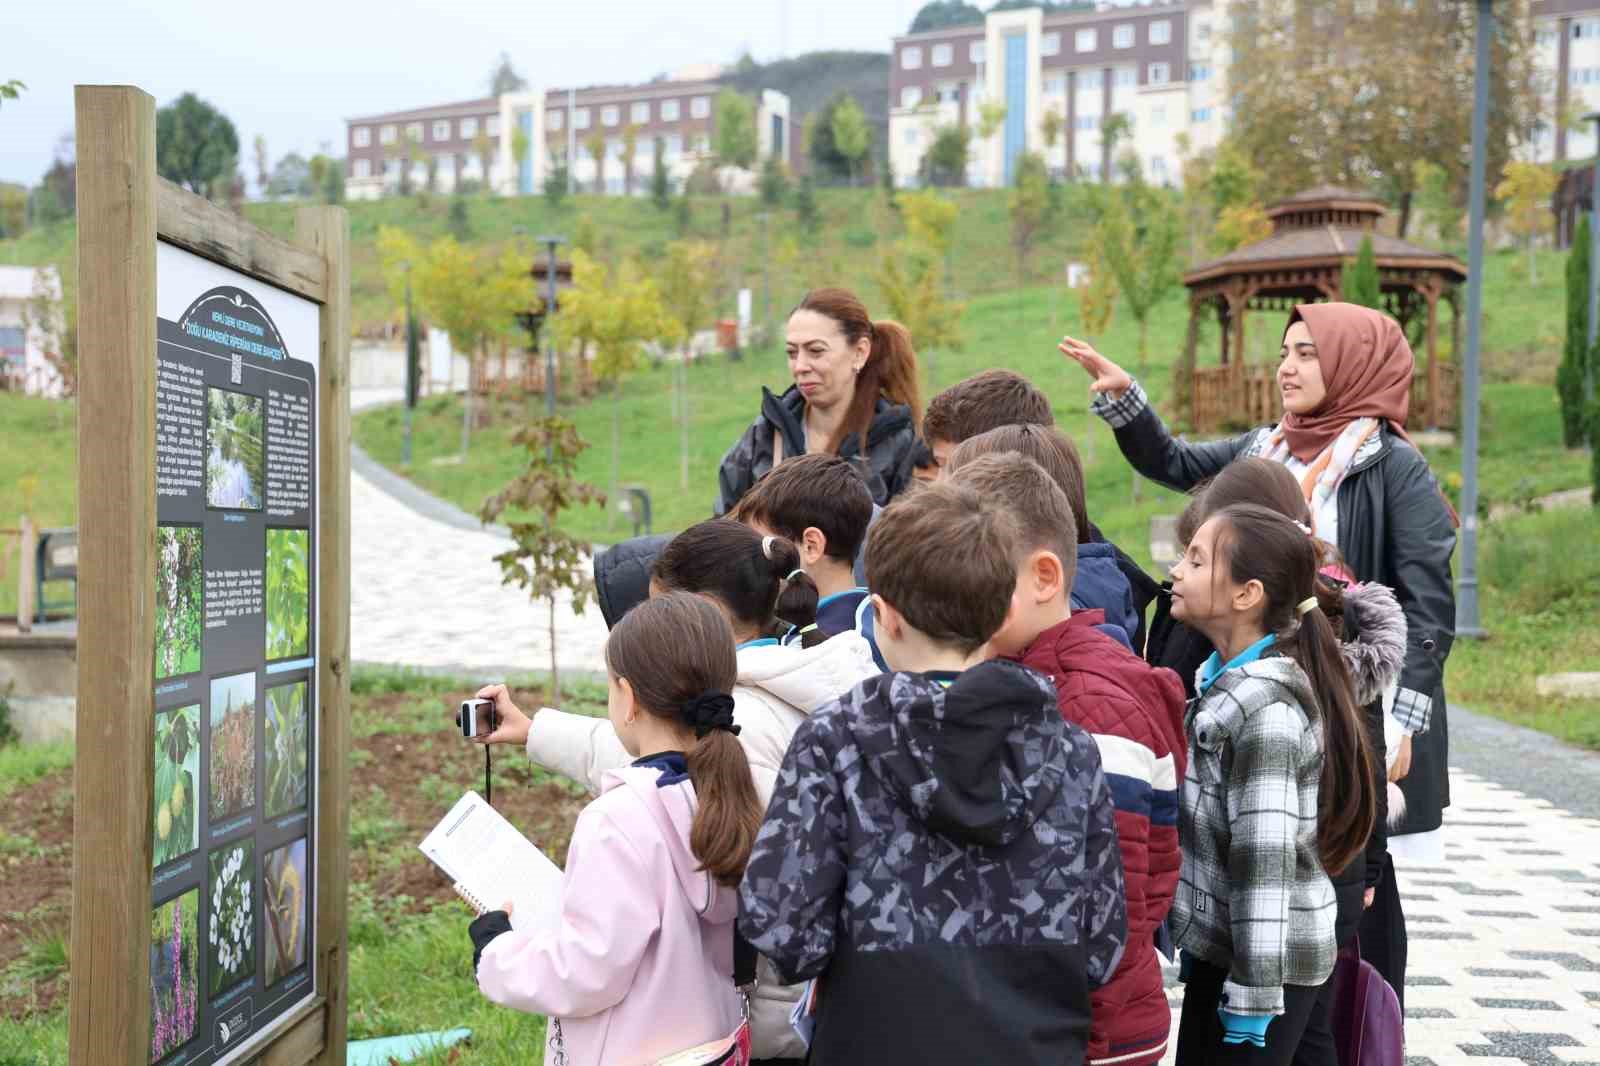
1314, 234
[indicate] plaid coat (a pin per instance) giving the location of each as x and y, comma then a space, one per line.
1253, 897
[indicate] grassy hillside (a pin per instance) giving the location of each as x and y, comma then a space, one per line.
38, 475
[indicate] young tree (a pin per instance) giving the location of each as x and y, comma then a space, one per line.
1525, 191
683, 215
945, 161
460, 221
1137, 234
774, 182
1360, 283
1030, 209
805, 203
291, 178
630, 152
503, 77
991, 116
195, 145
263, 167
521, 144
1051, 127
852, 136
595, 145
660, 180
687, 284
332, 185
1437, 202
735, 130
485, 149
544, 560
1575, 352
910, 276
1114, 129
11, 89
556, 180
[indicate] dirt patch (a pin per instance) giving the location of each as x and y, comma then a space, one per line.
405, 775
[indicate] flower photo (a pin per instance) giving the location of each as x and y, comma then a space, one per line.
232, 956
233, 745
174, 974
284, 892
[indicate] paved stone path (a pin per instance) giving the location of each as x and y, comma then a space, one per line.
1505, 935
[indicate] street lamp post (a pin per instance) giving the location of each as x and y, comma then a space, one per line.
411, 367
1467, 623
1594, 273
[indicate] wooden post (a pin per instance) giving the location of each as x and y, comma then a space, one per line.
109, 1002
1433, 356
27, 549
326, 231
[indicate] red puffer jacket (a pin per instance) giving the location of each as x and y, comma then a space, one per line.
1135, 714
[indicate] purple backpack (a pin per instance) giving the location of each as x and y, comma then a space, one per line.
1368, 1027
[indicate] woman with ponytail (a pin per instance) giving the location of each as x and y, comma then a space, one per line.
634, 961
1280, 789
761, 589
854, 395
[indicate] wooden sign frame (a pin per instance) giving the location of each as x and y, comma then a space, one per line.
123, 208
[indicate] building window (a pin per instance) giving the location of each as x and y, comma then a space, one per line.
911, 58
674, 145
910, 136
414, 132
555, 120
640, 112
1085, 40
1122, 36
949, 93
1545, 38
1086, 122
700, 107
491, 125
1050, 44
609, 115
669, 110
1201, 114
361, 136
910, 96
441, 130
1202, 31
361, 168
580, 118
1158, 74
1158, 115
1158, 167
469, 128
1199, 72
942, 55
1055, 86
386, 135
1125, 77
1161, 31
614, 149
391, 169
1585, 28
976, 51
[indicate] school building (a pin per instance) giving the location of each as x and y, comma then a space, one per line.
512, 141
1567, 39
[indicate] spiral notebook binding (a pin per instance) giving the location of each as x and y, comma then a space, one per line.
477, 905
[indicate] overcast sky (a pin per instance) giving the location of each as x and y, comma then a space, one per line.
294, 70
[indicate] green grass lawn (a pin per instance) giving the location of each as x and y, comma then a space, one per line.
38, 475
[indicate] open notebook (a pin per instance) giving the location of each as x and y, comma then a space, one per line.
490, 862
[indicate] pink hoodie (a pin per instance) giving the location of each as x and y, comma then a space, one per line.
636, 957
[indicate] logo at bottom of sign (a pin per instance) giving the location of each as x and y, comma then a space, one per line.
234, 1024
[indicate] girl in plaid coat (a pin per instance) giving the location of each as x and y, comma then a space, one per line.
1279, 788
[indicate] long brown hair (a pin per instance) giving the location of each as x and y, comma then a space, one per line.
758, 579
1259, 544
673, 649
890, 369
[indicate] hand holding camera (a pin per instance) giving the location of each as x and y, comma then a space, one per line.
491, 718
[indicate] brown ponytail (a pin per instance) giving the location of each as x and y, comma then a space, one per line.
754, 577
1262, 545
890, 370
674, 650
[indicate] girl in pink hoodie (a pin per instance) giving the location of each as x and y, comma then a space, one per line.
634, 961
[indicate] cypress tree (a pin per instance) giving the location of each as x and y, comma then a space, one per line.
1569, 375
660, 181
1360, 283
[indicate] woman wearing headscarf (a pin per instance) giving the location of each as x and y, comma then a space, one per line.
1345, 380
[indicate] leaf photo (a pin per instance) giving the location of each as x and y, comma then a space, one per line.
232, 957
288, 602
180, 580
176, 825
284, 887
233, 745
286, 748
174, 974
235, 466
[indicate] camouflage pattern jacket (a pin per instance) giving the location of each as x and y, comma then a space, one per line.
942, 848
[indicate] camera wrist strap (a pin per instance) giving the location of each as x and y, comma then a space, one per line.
488, 796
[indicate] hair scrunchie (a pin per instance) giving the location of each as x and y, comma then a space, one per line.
707, 711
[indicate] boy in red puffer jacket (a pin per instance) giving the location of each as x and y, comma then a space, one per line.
1135, 714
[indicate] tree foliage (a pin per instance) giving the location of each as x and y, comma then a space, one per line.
910, 274
851, 134
736, 129
595, 145
290, 178
1137, 236
1238, 225
940, 14
195, 145
1031, 208
687, 284
1575, 352
177, 772
660, 180
288, 598
503, 77
774, 181
1360, 283
945, 161
1525, 190
11, 89
557, 180
805, 203
1438, 202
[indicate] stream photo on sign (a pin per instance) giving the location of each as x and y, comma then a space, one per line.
288, 579
235, 462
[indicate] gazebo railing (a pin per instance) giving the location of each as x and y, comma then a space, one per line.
1238, 395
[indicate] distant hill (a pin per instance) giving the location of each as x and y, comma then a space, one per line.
810, 80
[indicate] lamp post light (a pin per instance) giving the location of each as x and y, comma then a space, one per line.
1594, 274
1467, 623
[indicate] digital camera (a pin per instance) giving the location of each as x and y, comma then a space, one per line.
477, 718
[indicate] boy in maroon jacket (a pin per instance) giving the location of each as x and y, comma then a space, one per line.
1135, 714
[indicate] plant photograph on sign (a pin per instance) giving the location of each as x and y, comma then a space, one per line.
233, 928
283, 883
180, 579
286, 748
234, 467
288, 580
233, 745
177, 828
174, 974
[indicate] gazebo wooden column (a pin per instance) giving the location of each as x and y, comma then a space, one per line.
1430, 293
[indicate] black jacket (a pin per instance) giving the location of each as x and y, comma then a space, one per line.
622, 574
946, 859
891, 440
1395, 529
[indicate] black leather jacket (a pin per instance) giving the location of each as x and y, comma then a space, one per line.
891, 440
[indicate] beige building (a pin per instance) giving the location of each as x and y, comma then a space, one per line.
27, 293
1567, 36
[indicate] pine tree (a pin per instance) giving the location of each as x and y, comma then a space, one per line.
660, 182
1569, 375
805, 203
1360, 282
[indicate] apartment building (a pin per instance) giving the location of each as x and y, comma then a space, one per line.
512, 140
1160, 64
1567, 36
